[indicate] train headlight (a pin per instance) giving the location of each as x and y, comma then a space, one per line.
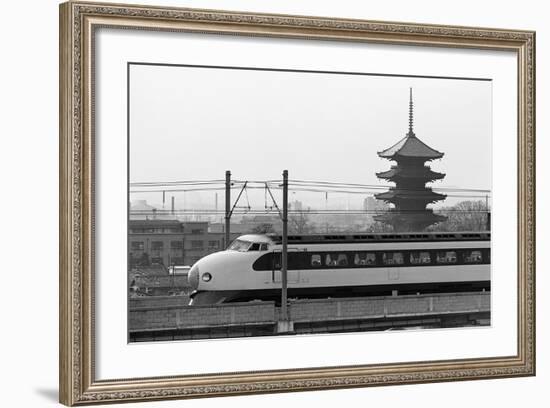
206, 277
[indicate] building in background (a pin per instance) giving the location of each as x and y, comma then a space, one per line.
153, 241
172, 242
373, 207
296, 205
261, 224
236, 228
410, 194
141, 210
200, 241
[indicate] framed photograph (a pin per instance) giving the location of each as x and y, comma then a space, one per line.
256, 203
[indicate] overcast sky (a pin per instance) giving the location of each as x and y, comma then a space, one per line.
194, 123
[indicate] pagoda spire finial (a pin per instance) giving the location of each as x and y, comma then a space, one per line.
411, 133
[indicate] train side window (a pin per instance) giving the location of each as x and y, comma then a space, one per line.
446, 257
315, 260
254, 247
473, 256
263, 247
420, 258
371, 259
342, 260
392, 258
331, 260
364, 258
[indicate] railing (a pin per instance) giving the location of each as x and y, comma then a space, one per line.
171, 316
388, 306
194, 317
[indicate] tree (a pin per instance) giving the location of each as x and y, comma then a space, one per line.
264, 228
379, 227
464, 216
299, 222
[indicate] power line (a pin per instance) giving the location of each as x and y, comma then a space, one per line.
169, 183
375, 186
177, 190
306, 213
320, 186
409, 193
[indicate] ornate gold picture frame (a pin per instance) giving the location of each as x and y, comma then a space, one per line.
79, 22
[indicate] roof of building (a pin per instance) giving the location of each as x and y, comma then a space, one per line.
418, 195
410, 173
154, 222
141, 205
234, 228
194, 223
141, 210
411, 146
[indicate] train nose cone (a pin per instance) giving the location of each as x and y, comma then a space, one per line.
193, 277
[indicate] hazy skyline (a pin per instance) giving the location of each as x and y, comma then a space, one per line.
195, 123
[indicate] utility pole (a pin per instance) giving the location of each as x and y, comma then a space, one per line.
284, 263
227, 207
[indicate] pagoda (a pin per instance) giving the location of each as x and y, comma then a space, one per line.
410, 196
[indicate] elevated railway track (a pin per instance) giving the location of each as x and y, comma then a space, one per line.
152, 319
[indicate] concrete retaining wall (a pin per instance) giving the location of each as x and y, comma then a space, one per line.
157, 301
389, 306
188, 317
167, 314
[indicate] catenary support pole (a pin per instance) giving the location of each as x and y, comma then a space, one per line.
284, 261
227, 208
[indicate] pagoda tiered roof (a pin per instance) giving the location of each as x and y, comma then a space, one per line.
397, 194
410, 194
410, 146
410, 173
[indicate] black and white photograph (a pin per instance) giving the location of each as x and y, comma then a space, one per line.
277, 198
265, 201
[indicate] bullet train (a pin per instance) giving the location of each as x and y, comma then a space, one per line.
321, 266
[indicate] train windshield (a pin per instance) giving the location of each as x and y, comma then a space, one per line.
243, 246
239, 245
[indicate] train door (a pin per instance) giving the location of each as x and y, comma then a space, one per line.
293, 275
394, 273
393, 262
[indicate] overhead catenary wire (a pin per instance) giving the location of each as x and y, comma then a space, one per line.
297, 185
409, 193
321, 185
294, 185
245, 211
376, 186
310, 189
